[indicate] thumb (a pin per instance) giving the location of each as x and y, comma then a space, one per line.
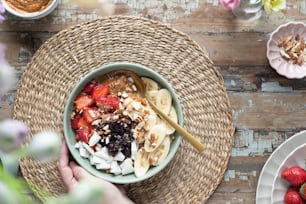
78, 172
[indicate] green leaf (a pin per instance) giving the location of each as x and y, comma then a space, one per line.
17, 186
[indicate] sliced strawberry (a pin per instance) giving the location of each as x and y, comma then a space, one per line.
100, 90
295, 175
82, 123
292, 196
84, 134
108, 102
83, 101
89, 87
75, 121
91, 114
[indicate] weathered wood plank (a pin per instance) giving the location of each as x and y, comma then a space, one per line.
232, 198
240, 181
234, 48
269, 110
251, 143
258, 78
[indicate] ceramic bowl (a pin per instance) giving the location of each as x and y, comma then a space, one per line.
286, 67
70, 134
280, 185
30, 15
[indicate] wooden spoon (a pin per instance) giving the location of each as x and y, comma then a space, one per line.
141, 88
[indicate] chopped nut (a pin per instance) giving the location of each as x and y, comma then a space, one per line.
300, 59
287, 39
293, 55
292, 48
297, 47
96, 122
289, 45
302, 44
124, 95
134, 87
285, 55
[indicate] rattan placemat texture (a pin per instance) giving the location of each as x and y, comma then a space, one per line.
72, 53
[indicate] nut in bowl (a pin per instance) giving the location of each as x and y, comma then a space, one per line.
111, 130
286, 50
289, 178
30, 9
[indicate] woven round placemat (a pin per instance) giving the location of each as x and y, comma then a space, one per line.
72, 53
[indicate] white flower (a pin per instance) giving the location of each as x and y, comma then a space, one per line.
45, 146
12, 134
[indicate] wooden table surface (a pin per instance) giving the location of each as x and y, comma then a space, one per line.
267, 108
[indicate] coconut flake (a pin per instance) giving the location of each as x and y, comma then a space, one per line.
83, 152
88, 148
103, 154
94, 139
136, 105
77, 145
115, 168
119, 156
103, 165
127, 166
97, 160
133, 149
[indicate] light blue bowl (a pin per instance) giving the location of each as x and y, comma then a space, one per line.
70, 134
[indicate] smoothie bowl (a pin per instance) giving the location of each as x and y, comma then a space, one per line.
30, 9
112, 131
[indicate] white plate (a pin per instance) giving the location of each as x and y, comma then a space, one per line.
280, 186
269, 170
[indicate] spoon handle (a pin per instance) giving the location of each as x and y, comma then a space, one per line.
192, 140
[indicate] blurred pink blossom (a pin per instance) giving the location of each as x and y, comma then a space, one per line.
230, 4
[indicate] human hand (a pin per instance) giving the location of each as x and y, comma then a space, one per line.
72, 174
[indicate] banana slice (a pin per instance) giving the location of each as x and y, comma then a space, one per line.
172, 115
164, 100
160, 154
149, 84
159, 120
140, 132
155, 137
141, 163
150, 119
152, 96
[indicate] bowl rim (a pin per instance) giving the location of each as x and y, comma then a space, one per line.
66, 116
280, 168
31, 15
269, 42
